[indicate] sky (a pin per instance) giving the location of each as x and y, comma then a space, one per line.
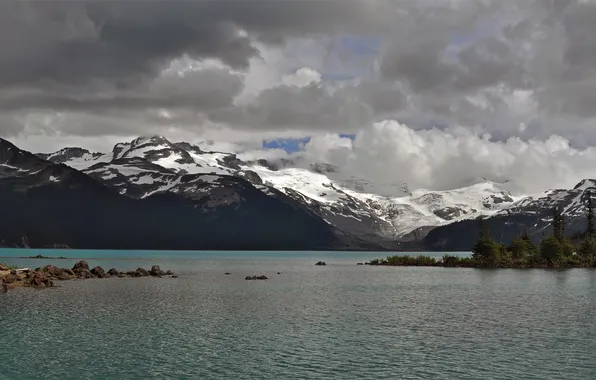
433, 93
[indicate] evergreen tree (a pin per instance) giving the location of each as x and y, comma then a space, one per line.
558, 223
486, 252
551, 251
590, 217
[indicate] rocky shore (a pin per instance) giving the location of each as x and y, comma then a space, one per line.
47, 276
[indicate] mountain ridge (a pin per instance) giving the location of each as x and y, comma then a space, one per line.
152, 165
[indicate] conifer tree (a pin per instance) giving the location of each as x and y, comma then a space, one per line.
590, 217
558, 223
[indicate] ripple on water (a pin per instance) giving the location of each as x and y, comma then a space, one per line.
343, 322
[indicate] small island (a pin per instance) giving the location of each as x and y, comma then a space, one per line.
555, 251
12, 277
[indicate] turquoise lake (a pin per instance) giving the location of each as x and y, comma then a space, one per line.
339, 321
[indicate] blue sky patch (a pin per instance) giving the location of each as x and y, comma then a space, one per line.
296, 144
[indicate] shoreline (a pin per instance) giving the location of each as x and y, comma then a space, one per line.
47, 276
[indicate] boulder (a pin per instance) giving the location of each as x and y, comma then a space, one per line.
99, 272
121, 275
156, 271
37, 279
11, 278
174, 276
4, 267
113, 272
52, 270
140, 272
83, 273
63, 277
321, 263
262, 277
169, 273
81, 265
68, 272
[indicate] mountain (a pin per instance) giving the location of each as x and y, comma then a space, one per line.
532, 213
152, 165
46, 204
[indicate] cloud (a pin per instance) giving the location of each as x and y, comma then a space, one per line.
390, 154
244, 71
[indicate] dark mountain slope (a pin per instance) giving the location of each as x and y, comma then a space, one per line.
44, 204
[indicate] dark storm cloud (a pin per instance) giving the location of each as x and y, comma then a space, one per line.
315, 107
199, 90
125, 41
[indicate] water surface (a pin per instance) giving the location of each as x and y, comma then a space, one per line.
339, 321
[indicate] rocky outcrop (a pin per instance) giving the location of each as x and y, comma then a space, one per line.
140, 272
98, 272
262, 277
81, 265
45, 277
156, 271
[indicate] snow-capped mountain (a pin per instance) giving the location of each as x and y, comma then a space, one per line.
533, 214
152, 165
46, 204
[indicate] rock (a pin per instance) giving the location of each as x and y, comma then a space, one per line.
99, 272
121, 275
52, 270
174, 276
140, 272
130, 273
278, 272
169, 273
63, 277
48, 283
37, 279
227, 273
11, 278
360, 264
8, 287
81, 265
114, 272
156, 271
321, 263
83, 273
3, 267
262, 277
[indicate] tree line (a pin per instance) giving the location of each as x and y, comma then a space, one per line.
555, 251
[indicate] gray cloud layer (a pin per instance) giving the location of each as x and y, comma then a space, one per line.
507, 67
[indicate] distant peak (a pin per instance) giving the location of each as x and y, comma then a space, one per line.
585, 184
155, 139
